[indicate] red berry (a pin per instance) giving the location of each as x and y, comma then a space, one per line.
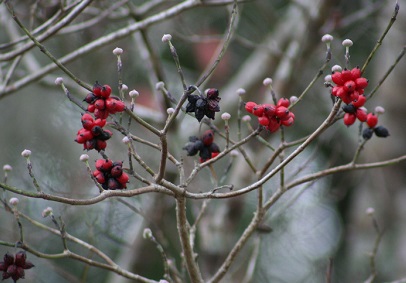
99, 176
349, 119
288, 122
335, 89
281, 112
90, 98
104, 165
208, 137
263, 120
337, 78
249, 106
97, 88
346, 75
111, 104
105, 91
113, 184
100, 145
101, 114
372, 120
91, 108
120, 106
273, 125
348, 86
269, 110
258, 110
361, 115
354, 95
100, 104
355, 73
123, 179
80, 139
116, 171
100, 122
360, 101
86, 134
361, 82
283, 102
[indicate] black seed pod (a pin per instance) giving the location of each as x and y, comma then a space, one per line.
367, 133
381, 132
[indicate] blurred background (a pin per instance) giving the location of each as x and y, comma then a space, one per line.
314, 231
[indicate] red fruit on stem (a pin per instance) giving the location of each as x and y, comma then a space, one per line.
91, 108
100, 145
208, 137
249, 106
258, 110
360, 101
269, 110
361, 82
355, 73
288, 122
337, 78
372, 120
113, 184
120, 106
123, 179
354, 95
100, 122
263, 120
348, 86
346, 75
111, 104
349, 119
273, 125
361, 115
99, 176
104, 165
97, 88
116, 171
86, 134
283, 102
100, 104
106, 91
281, 112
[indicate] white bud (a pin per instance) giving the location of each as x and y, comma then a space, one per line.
241, 91
234, 153
379, 110
370, 211
117, 51
159, 85
336, 68
327, 38
347, 43
170, 111
7, 168
246, 118
26, 153
14, 201
133, 93
59, 81
124, 87
126, 140
147, 234
163, 281
363, 108
293, 99
166, 37
47, 212
267, 81
225, 116
328, 79
84, 158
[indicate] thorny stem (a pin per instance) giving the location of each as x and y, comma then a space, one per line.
379, 42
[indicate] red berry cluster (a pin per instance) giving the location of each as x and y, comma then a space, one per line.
350, 89
92, 135
204, 145
101, 103
110, 174
13, 266
272, 116
372, 121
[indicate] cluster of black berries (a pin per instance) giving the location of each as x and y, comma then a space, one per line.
204, 145
110, 174
204, 105
13, 266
